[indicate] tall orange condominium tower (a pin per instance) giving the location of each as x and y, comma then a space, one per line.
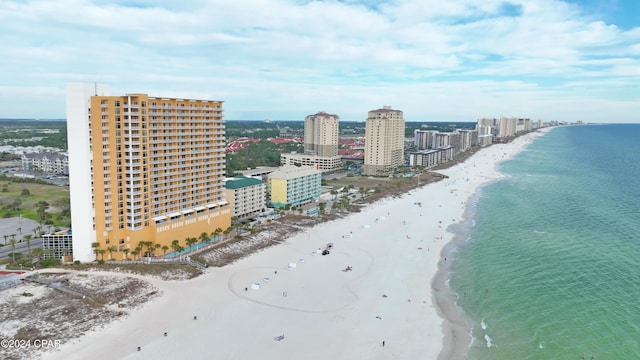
143, 170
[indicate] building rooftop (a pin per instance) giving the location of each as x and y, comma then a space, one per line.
45, 156
387, 109
240, 182
292, 172
322, 113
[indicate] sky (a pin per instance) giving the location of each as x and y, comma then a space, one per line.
454, 60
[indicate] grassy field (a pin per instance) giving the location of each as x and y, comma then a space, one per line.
56, 196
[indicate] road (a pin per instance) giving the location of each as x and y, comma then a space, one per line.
20, 248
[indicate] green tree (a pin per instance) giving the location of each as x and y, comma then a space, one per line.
175, 244
25, 192
190, 241
63, 203
216, 232
111, 249
27, 238
150, 248
41, 210
363, 192
227, 231
135, 252
155, 248
96, 247
15, 204
322, 207
263, 153
36, 231
164, 250
204, 237
142, 244
101, 252
126, 253
13, 242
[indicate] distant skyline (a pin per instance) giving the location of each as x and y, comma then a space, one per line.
456, 60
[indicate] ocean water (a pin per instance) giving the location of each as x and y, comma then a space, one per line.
550, 266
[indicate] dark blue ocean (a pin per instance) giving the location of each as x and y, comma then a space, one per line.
550, 268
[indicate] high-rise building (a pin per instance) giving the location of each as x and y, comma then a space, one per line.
423, 139
320, 144
384, 141
142, 169
321, 134
507, 127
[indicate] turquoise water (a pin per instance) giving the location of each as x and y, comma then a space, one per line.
551, 266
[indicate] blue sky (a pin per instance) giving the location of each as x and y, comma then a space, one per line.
455, 60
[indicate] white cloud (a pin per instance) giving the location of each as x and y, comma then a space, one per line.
435, 60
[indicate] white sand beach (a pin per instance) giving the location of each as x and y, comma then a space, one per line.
394, 249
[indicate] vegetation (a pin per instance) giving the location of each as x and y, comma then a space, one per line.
264, 130
19, 180
5, 156
157, 269
263, 153
42, 202
50, 133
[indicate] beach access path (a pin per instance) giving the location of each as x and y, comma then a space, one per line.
394, 249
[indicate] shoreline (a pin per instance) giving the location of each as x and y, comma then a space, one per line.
456, 330
393, 245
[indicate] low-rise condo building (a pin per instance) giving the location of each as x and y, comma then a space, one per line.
432, 157
46, 162
247, 196
294, 185
322, 163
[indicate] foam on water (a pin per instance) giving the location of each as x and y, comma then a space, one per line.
488, 340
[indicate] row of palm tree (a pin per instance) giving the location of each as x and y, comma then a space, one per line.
150, 249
